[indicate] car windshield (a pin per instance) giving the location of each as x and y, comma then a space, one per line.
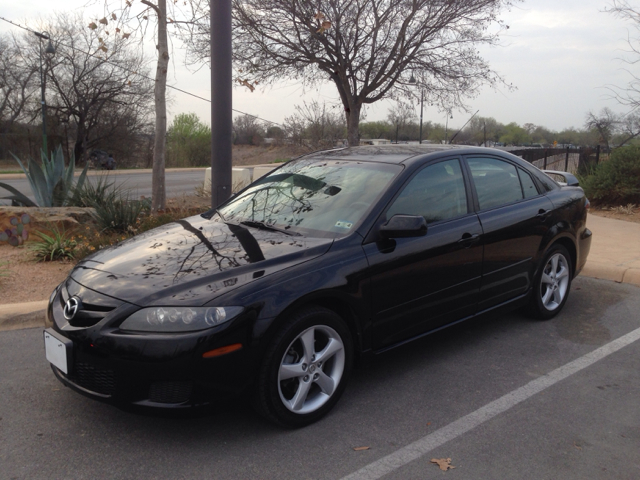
311, 197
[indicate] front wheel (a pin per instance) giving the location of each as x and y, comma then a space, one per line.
305, 369
552, 284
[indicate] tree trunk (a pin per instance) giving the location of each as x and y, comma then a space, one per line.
78, 148
353, 123
158, 193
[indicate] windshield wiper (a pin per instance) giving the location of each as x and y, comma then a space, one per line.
264, 226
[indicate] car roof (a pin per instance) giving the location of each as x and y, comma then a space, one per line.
394, 153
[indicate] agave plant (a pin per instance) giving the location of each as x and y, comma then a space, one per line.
17, 197
50, 182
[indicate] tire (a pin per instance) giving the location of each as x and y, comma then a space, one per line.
305, 369
552, 284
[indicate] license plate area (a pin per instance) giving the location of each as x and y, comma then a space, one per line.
58, 350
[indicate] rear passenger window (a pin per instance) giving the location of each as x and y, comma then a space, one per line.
497, 182
528, 187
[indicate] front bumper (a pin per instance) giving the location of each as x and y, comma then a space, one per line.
157, 370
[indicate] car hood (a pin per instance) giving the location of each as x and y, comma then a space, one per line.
192, 261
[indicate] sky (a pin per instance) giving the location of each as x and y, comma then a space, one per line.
559, 55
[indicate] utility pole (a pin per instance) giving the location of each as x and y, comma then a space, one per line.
50, 50
221, 101
485, 133
421, 108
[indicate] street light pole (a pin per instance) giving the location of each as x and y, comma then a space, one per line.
50, 50
421, 105
413, 80
446, 128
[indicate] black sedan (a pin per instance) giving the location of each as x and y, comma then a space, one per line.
332, 256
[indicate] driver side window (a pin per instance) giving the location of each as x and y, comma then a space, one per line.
437, 193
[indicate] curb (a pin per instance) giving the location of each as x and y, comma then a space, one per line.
614, 273
93, 173
16, 316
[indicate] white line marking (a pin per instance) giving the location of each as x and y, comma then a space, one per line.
421, 447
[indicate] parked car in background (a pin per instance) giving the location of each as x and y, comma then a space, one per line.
332, 256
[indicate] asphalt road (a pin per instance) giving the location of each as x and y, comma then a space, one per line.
177, 183
505, 397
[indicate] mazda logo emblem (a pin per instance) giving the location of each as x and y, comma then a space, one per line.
71, 308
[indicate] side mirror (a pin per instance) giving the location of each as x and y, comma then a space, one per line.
567, 178
404, 226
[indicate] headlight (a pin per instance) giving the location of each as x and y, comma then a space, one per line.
179, 319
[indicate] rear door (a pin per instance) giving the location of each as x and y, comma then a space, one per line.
514, 218
419, 284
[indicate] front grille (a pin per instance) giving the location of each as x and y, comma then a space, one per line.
94, 378
89, 315
170, 392
94, 306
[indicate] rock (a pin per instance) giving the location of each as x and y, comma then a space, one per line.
40, 219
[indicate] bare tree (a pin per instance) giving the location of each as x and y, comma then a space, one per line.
401, 115
93, 83
247, 130
322, 127
629, 95
135, 17
369, 48
605, 123
17, 84
628, 129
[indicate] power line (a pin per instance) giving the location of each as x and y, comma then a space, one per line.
137, 73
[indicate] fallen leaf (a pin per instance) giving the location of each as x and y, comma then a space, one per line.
359, 449
443, 463
428, 423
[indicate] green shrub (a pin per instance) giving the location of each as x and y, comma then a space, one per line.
617, 180
90, 195
57, 246
120, 215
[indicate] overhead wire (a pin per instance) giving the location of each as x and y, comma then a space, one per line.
138, 73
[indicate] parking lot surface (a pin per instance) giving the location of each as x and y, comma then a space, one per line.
442, 391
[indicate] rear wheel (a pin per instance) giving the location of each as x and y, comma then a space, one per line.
305, 369
552, 284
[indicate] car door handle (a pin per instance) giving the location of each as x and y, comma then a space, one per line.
543, 214
467, 239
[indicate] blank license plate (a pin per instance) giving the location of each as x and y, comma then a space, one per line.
57, 349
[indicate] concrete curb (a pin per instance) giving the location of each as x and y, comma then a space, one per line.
93, 173
15, 316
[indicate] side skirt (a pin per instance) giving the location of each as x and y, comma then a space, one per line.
504, 307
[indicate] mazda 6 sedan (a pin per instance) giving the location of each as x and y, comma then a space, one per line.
332, 256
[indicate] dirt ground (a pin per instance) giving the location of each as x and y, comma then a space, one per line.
23, 279
628, 214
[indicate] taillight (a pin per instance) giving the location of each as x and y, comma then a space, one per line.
587, 203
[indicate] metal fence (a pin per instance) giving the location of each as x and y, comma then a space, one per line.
572, 160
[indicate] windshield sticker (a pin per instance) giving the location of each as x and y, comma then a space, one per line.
344, 224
